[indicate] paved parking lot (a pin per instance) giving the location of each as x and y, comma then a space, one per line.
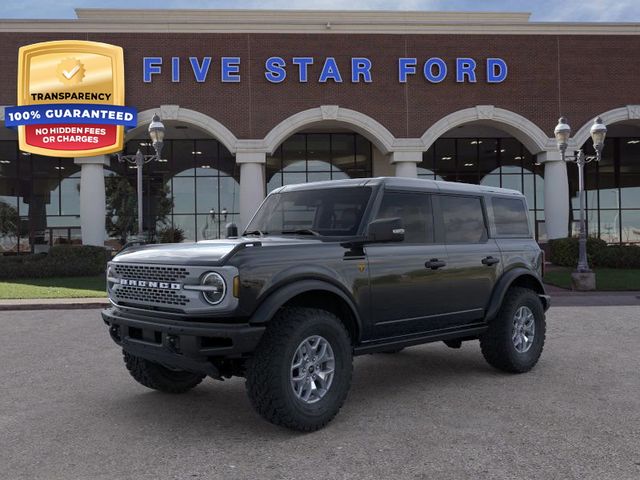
69, 410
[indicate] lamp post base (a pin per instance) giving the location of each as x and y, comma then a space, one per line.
583, 281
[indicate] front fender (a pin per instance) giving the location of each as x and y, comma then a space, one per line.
282, 294
506, 281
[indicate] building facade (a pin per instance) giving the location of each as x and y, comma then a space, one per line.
257, 99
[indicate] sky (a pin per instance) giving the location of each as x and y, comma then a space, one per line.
542, 10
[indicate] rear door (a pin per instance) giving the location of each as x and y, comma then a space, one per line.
406, 293
475, 261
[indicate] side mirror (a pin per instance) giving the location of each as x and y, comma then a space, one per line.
232, 230
385, 230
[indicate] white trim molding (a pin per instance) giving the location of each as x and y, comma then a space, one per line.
532, 136
622, 114
373, 130
192, 117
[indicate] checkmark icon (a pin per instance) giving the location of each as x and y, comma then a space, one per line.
71, 73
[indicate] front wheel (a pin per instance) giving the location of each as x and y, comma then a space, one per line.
300, 373
515, 338
158, 377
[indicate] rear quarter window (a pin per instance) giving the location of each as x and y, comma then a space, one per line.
510, 217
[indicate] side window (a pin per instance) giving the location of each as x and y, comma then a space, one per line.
510, 217
463, 219
414, 209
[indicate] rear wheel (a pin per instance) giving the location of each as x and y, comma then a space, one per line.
158, 377
300, 373
515, 338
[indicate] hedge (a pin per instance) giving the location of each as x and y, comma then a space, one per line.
61, 261
564, 252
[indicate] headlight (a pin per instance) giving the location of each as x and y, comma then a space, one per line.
215, 288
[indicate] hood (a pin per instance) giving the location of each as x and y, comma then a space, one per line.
206, 252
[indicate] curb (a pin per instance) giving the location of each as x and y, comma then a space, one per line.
53, 304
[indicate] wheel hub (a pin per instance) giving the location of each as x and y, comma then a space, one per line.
524, 327
312, 369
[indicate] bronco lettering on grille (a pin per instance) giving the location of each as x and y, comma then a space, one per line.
150, 284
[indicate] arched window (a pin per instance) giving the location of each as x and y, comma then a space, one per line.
313, 157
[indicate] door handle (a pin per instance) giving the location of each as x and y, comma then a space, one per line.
434, 264
488, 261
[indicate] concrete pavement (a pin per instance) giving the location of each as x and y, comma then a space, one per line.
69, 410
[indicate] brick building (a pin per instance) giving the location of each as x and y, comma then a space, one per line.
256, 99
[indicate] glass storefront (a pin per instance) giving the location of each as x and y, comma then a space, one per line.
498, 162
200, 176
612, 189
39, 200
313, 157
197, 186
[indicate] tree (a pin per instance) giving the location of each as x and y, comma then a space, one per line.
9, 220
122, 208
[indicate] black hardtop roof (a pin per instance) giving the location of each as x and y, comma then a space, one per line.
403, 182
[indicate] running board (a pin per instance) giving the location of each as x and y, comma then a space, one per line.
472, 330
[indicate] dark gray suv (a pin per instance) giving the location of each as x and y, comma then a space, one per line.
326, 271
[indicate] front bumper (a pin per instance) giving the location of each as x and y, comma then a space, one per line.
188, 346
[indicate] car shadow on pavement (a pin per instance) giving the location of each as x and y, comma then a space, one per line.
215, 408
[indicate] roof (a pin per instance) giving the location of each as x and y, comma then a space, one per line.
402, 182
160, 21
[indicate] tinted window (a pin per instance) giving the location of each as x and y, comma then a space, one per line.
463, 219
510, 217
414, 209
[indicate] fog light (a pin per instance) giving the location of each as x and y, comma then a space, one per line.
216, 288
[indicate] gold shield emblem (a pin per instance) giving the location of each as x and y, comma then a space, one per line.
71, 73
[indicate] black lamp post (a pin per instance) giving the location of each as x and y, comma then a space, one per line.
598, 133
156, 133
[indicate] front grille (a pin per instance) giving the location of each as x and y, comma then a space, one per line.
150, 295
153, 273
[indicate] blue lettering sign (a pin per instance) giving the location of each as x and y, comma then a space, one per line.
175, 69
330, 70
360, 67
275, 69
428, 70
200, 71
465, 67
230, 69
496, 70
406, 66
151, 66
303, 64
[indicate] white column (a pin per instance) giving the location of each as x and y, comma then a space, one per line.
406, 163
93, 207
252, 184
556, 194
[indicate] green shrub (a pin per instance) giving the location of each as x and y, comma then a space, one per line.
618, 256
564, 252
61, 261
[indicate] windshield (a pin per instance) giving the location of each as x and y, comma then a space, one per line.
327, 212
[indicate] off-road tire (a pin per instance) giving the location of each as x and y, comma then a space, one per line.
268, 381
155, 376
496, 344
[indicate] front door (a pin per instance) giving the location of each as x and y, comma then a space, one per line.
407, 291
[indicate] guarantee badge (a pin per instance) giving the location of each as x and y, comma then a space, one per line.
70, 99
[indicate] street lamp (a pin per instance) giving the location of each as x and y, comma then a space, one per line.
156, 133
562, 133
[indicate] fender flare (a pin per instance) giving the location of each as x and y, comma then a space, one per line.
503, 284
282, 294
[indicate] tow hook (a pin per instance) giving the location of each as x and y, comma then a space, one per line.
173, 344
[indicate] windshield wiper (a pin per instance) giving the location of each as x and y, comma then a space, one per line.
255, 232
302, 231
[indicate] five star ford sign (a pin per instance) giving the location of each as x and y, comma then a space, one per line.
70, 99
